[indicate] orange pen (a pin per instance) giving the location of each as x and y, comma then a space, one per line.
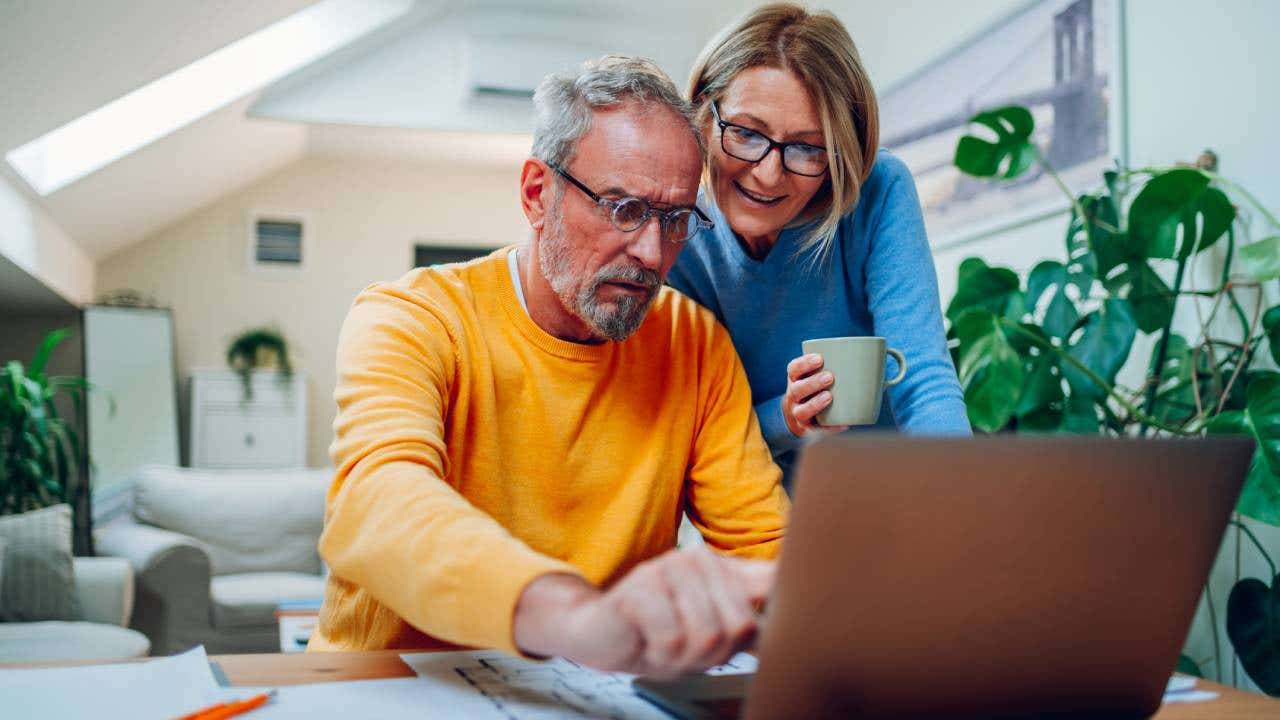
223, 710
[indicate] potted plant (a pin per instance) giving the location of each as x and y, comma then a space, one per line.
40, 452
260, 347
1044, 354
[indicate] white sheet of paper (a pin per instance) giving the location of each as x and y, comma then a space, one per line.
388, 699
161, 688
492, 684
1189, 696
1181, 689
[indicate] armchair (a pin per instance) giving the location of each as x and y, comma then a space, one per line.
215, 552
104, 590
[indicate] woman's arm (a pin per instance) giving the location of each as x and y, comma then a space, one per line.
774, 426
902, 297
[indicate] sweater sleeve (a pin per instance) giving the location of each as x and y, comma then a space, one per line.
774, 426
733, 494
393, 525
902, 296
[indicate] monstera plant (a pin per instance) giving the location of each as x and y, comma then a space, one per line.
1043, 354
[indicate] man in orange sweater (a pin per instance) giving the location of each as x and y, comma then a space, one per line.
518, 436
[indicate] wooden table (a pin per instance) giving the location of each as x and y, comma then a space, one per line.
301, 668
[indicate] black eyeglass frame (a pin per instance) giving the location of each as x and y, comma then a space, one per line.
664, 216
781, 146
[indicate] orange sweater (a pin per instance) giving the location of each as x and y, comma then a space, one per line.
475, 452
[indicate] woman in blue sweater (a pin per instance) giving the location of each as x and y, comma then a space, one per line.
816, 234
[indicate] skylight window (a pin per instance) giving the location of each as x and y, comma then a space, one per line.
147, 114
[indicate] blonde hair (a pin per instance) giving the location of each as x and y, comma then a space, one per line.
817, 48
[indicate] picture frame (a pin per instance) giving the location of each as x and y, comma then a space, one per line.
1065, 61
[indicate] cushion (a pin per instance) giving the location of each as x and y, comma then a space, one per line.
54, 641
250, 520
250, 599
39, 582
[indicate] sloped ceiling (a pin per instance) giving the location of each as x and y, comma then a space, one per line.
63, 58
395, 93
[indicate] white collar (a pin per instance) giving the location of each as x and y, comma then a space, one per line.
512, 264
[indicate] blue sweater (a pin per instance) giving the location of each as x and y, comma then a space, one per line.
878, 280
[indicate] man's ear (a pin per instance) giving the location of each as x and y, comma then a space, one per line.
535, 192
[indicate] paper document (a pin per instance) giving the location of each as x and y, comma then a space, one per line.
389, 699
1182, 689
491, 684
160, 688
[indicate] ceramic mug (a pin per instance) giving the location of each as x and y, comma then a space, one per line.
858, 364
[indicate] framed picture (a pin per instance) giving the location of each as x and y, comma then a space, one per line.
1064, 61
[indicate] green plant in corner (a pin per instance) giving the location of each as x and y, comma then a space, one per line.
1044, 355
39, 451
259, 348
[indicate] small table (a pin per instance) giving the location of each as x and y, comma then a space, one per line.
302, 668
296, 626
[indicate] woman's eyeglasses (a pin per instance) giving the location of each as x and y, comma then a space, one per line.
746, 144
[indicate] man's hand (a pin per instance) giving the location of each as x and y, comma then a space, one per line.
682, 612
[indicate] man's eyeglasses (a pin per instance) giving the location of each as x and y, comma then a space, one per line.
627, 214
747, 144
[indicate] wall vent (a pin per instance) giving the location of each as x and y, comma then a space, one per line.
277, 241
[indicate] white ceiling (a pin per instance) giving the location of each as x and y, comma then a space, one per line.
63, 58
395, 93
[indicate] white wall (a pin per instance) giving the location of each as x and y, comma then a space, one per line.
31, 239
363, 219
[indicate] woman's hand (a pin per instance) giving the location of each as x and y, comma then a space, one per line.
807, 395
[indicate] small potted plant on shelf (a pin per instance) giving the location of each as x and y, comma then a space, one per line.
260, 347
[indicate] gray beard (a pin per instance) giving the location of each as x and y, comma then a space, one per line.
614, 321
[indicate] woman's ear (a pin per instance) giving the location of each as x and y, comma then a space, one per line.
535, 187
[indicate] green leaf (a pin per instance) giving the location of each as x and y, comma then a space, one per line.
1206, 222
41, 358
1060, 316
1175, 398
1027, 346
1080, 416
1082, 264
991, 370
1271, 325
1260, 498
1151, 299
1108, 244
1187, 666
1253, 625
1263, 411
997, 290
1102, 347
1261, 260
1043, 387
1179, 199
1009, 155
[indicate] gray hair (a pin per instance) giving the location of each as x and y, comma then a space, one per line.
564, 102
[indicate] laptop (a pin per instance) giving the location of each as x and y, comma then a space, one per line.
989, 577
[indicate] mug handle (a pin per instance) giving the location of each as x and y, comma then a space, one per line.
902, 367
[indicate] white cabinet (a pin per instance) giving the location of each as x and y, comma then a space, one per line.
267, 431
